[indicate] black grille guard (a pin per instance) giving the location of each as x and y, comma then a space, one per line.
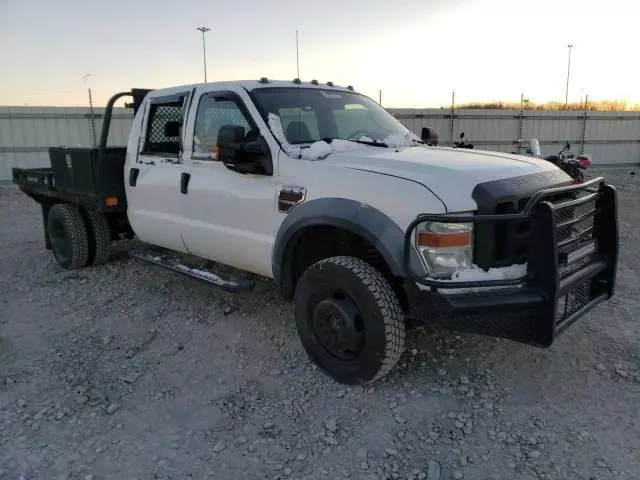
543, 259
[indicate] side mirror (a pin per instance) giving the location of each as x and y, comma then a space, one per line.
461, 135
429, 136
231, 136
244, 153
172, 129
230, 143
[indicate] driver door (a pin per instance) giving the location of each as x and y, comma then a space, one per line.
229, 217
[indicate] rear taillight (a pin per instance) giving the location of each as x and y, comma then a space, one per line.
585, 160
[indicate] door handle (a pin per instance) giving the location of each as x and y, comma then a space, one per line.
184, 182
133, 176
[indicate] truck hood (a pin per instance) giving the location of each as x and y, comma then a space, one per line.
450, 173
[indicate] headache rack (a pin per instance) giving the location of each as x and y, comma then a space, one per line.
570, 237
90, 176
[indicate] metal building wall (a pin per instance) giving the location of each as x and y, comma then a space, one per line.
610, 137
26, 133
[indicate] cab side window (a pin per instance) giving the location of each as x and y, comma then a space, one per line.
164, 126
213, 113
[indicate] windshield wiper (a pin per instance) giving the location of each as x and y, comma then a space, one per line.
363, 142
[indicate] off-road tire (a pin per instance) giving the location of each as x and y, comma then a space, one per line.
99, 237
68, 236
378, 306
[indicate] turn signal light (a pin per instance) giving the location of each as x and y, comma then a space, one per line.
111, 201
443, 240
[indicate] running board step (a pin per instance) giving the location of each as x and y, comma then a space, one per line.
177, 263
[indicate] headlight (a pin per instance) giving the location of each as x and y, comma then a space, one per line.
445, 247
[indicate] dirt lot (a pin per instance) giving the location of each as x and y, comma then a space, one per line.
131, 372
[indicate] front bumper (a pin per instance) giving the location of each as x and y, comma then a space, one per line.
571, 268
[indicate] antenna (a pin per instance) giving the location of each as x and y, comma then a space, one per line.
299, 91
297, 57
92, 122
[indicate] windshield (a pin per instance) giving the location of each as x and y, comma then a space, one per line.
310, 115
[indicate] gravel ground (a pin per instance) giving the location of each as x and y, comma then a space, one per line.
128, 371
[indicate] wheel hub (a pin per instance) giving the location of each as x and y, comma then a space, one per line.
339, 327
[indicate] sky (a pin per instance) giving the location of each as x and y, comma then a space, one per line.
415, 51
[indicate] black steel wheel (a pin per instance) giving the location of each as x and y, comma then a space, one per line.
68, 236
338, 326
349, 320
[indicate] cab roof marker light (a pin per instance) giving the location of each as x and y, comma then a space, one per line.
264, 80
350, 87
329, 83
314, 82
297, 81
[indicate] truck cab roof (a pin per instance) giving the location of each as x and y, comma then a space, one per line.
251, 85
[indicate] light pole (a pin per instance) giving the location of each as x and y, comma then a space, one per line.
566, 94
204, 50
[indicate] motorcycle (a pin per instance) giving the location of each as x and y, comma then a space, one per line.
572, 165
462, 143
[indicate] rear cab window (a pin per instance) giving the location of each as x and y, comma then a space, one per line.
164, 126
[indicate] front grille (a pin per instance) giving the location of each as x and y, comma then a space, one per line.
512, 238
573, 301
502, 244
575, 229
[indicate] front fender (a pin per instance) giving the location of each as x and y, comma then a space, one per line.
356, 217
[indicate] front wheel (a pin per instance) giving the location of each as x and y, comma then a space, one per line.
349, 320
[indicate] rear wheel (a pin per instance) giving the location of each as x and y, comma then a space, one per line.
68, 236
99, 236
349, 320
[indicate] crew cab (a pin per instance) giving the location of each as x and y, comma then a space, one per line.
355, 218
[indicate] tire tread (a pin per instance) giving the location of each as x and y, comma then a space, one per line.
76, 233
98, 228
388, 304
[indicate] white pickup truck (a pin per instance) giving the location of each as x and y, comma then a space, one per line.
358, 220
